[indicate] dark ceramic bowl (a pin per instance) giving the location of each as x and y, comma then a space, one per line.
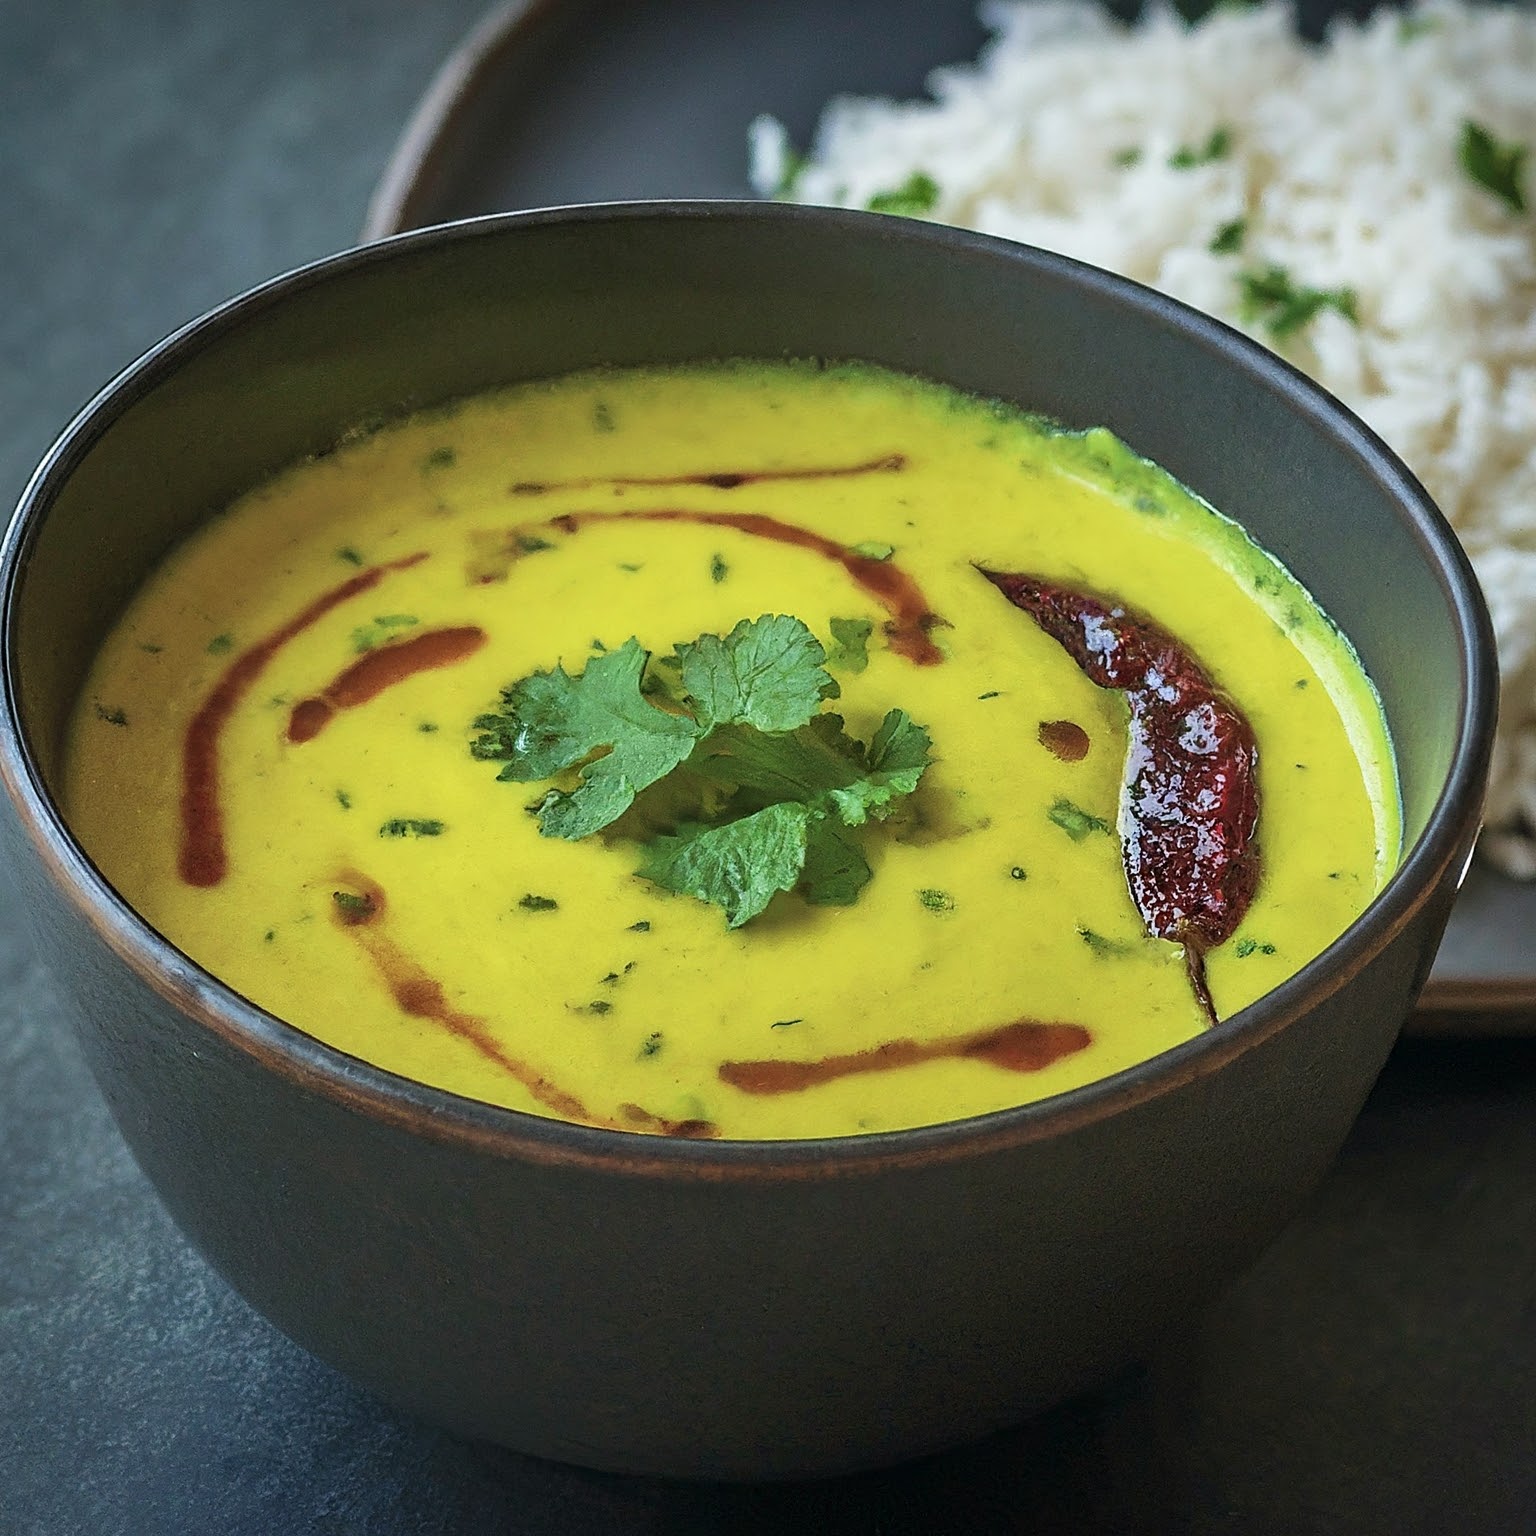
742, 1309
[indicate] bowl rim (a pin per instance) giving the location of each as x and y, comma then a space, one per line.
496, 1130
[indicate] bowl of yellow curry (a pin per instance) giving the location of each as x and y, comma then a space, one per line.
732, 841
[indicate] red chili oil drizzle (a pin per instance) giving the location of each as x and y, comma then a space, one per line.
379, 669
640, 1119
1191, 794
1022, 1046
1065, 739
720, 480
422, 996
203, 859
898, 593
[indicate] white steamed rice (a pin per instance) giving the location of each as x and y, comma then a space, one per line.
1343, 164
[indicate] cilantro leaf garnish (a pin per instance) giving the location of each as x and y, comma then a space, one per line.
740, 866
763, 785
894, 763
1494, 165
550, 722
850, 644
766, 674
1271, 296
821, 761
835, 867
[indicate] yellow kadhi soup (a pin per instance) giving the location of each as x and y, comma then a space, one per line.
271, 759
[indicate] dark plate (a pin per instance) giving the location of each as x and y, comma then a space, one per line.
566, 101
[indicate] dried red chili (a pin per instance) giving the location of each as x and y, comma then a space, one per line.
1190, 806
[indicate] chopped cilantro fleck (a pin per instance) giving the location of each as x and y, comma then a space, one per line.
426, 727
1217, 147
1228, 239
1245, 947
917, 195
598, 1006
367, 637
150, 647
112, 716
650, 1045
936, 900
1018, 872
532, 903
992, 693
625, 565
1125, 158
1074, 821
353, 906
349, 556
1101, 946
602, 416
221, 645
269, 936
532, 544
718, 569
1494, 165
785, 1023
343, 799
873, 549
641, 927
1272, 298
440, 458
411, 826
850, 644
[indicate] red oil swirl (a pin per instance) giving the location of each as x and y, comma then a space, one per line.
720, 480
911, 619
1065, 739
360, 906
379, 669
1022, 1046
203, 859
